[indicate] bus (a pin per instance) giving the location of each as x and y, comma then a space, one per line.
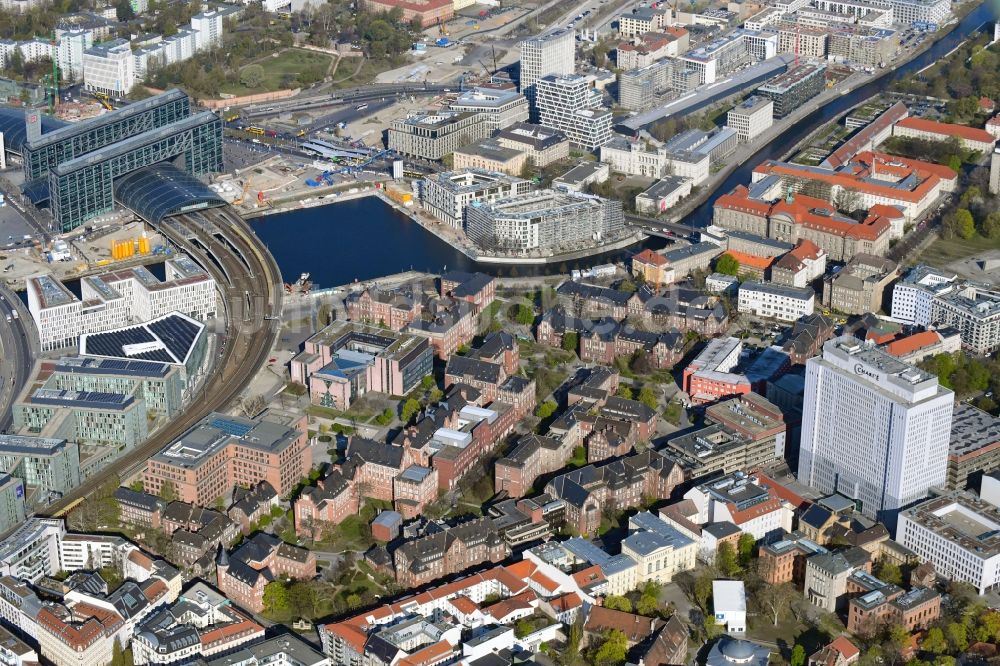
256, 130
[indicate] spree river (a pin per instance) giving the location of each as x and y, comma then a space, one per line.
366, 238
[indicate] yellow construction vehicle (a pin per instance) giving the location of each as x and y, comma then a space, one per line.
105, 100
246, 186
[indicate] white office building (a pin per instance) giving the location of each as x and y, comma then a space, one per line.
651, 159
109, 68
874, 429
751, 118
551, 53
775, 301
913, 296
960, 534
446, 195
501, 108
71, 46
116, 300
568, 103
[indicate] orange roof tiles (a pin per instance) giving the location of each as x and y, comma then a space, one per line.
781, 491
805, 249
140, 558
464, 604
752, 261
567, 602
912, 343
502, 609
757, 510
588, 576
850, 148
545, 582
523, 568
844, 646
647, 256
227, 633
946, 129
432, 654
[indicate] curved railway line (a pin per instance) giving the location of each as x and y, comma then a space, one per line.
250, 285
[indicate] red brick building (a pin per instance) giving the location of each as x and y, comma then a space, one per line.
324, 505
391, 308
428, 12
243, 574
477, 289
447, 552
871, 612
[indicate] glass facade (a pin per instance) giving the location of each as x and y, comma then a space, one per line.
83, 188
72, 141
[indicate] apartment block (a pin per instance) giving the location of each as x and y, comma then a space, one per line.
434, 134
446, 195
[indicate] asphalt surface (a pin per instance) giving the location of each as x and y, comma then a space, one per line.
251, 298
19, 345
346, 96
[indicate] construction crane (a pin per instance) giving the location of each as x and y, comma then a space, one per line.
442, 30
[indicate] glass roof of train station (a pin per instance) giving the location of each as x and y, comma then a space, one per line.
161, 190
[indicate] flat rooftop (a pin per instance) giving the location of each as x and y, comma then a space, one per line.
972, 430
217, 431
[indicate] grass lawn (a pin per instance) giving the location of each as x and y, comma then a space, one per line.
281, 71
942, 252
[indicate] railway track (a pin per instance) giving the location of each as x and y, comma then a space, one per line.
251, 295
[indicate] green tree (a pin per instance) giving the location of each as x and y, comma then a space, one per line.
252, 76
117, 655
727, 265
988, 627
524, 314
955, 163
744, 548
991, 225
958, 636
726, 560
703, 591
353, 600
276, 597
934, 641
570, 341
889, 572
385, 418
546, 409
966, 223
124, 11
618, 602
648, 397
624, 392
647, 605
612, 650
168, 491
427, 383
138, 486
798, 657
410, 409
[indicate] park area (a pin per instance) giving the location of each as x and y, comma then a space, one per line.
290, 68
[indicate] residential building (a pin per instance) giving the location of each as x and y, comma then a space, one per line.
892, 451
975, 445
751, 118
14, 651
434, 134
860, 286
716, 59
839, 652
550, 53
542, 145
109, 68
913, 296
969, 138
975, 312
646, 48
544, 221
502, 108
959, 534
567, 103
224, 451
775, 301
643, 20
652, 268
446, 195
640, 87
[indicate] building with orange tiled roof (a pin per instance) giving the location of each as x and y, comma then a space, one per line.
839, 652
868, 179
426, 11
915, 348
799, 266
970, 138
83, 636
652, 267
752, 266
741, 500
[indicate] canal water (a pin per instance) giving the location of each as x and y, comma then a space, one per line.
367, 238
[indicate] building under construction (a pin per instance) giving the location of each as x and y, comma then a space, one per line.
793, 88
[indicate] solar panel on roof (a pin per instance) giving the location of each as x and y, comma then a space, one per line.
234, 428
